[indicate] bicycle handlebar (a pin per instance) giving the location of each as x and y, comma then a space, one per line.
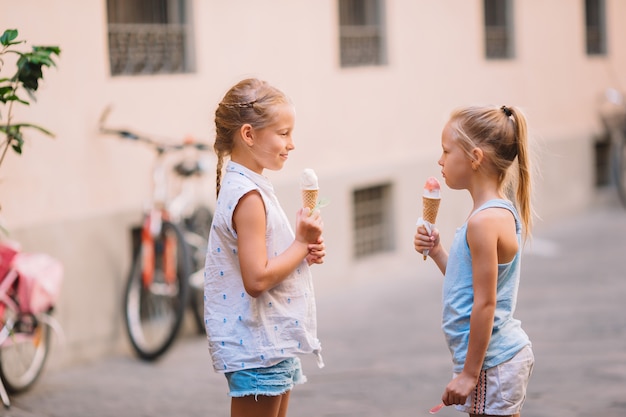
161, 147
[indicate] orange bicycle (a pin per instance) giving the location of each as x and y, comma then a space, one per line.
168, 250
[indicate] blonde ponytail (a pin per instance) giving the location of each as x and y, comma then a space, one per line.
524, 183
502, 135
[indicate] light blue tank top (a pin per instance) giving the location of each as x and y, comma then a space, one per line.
507, 336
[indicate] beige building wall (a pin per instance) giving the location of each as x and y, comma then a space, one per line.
77, 195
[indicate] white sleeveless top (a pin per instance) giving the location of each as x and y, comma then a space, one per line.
245, 332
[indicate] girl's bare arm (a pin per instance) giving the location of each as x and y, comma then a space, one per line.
258, 272
482, 237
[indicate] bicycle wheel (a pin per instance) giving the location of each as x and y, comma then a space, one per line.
154, 310
199, 224
23, 354
619, 165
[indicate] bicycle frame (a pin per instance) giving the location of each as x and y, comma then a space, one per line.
5, 301
151, 228
159, 209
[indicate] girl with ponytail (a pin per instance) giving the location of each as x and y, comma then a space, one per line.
485, 151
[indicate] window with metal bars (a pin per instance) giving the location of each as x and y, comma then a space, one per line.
498, 29
373, 228
595, 25
362, 33
149, 37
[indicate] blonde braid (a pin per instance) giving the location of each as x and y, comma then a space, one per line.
218, 177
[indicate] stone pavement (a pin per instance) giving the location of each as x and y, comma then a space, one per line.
383, 349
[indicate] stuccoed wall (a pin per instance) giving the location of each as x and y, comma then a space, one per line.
77, 196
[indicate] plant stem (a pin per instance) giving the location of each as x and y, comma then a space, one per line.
9, 137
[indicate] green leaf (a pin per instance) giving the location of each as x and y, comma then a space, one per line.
29, 67
8, 36
29, 74
15, 132
32, 126
13, 97
5, 92
49, 50
43, 55
17, 147
17, 141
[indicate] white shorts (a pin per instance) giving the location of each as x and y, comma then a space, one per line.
501, 390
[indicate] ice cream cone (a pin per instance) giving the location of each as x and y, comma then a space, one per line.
309, 198
431, 197
430, 207
309, 187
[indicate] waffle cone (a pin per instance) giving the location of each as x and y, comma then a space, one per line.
430, 209
309, 198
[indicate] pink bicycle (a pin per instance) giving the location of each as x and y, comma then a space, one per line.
29, 287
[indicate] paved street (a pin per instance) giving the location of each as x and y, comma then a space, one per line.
384, 352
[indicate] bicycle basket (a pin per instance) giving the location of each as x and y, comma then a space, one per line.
8, 250
39, 281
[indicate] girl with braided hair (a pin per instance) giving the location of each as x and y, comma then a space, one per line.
485, 151
259, 300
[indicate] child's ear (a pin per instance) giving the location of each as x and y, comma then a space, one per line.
247, 134
477, 157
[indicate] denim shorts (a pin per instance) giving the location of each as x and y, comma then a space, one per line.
501, 390
275, 380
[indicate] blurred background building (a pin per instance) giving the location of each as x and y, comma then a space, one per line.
373, 82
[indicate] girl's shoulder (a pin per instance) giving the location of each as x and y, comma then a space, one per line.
234, 187
489, 215
233, 179
496, 216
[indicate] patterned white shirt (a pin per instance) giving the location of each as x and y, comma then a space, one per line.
245, 332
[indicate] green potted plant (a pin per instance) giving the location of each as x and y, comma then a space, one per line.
25, 78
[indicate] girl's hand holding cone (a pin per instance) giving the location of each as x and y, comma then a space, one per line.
431, 198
